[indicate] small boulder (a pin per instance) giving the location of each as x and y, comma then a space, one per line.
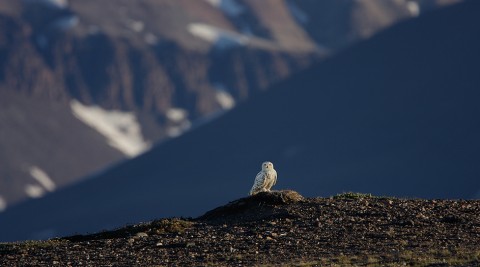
259, 206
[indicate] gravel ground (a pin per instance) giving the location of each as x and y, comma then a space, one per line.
280, 228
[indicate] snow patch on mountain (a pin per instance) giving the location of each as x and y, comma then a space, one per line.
135, 25
177, 130
121, 129
61, 4
42, 178
34, 190
414, 8
230, 7
3, 204
177, 114
179, 122
224, 98
219, 37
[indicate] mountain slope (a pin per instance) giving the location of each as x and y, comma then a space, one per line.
131, 70
28, 120
395, 115
157, 67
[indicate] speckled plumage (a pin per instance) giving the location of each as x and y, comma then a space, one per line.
265, 179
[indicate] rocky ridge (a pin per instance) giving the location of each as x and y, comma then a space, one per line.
279, 228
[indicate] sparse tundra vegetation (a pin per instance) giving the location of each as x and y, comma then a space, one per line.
279, 228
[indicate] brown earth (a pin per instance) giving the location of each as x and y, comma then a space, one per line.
280, 228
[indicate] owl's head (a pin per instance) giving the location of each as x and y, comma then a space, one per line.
267, 165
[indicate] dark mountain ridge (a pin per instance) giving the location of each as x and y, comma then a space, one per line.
396, 115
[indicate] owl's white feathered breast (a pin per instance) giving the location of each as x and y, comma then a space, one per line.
265, 179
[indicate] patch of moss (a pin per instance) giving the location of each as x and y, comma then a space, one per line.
42, 243
352, 195
170, 226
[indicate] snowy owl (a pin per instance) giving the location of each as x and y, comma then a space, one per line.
265, 179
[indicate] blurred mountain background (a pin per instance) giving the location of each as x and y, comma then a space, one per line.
164, 108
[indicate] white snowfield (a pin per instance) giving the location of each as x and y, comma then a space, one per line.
3, 204
44, 183
217, 36
413, 8
42, 178
136, 25
121, 129
53, 3
225, 99
177, 114
34, 190
177, 130
179, 117
230, 7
